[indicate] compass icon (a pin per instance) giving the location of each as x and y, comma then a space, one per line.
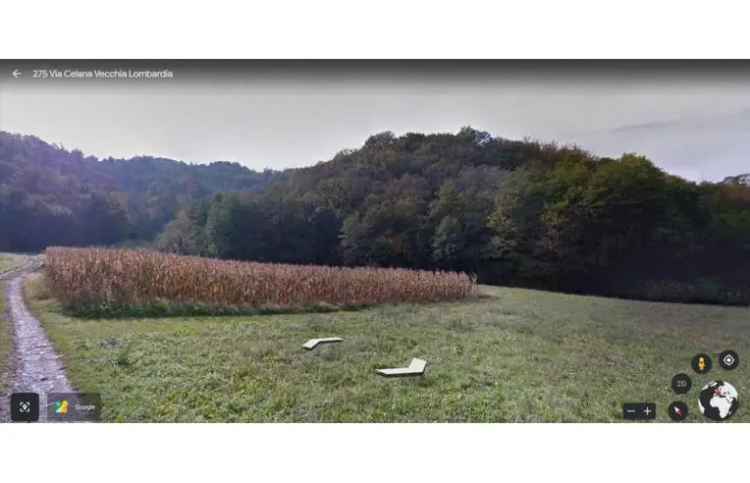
729, 360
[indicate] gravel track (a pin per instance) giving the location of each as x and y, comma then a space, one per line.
35, 366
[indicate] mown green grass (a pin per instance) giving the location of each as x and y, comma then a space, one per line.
9, 261
510, 355
6, 341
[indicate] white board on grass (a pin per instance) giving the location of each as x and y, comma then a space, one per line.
416, 368
313, 343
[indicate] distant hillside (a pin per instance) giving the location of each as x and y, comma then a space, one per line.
742, 179
49, 195
512, 212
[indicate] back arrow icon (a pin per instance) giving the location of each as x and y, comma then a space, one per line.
16, 73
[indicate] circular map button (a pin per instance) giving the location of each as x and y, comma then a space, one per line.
718, 400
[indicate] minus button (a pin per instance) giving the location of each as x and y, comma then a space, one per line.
639, 411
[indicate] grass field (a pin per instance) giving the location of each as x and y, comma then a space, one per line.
510, 355
9, 261
6, 340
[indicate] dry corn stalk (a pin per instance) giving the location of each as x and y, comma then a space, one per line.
85, 276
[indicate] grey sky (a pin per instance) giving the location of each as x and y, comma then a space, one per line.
692, 119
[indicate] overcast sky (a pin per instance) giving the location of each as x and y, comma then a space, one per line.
692, 119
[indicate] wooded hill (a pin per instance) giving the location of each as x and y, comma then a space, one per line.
512, 212
519, 213
51, 196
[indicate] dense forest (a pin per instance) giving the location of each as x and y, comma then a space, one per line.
511, 212
51, 196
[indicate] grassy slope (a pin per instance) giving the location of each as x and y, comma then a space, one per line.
6, 342
513, 355
9, 261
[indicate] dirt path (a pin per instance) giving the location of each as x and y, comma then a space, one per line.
35, 367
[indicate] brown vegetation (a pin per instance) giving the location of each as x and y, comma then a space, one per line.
108, 277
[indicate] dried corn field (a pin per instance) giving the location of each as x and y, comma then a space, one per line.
110, 277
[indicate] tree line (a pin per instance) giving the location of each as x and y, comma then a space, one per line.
512, 212
52, 196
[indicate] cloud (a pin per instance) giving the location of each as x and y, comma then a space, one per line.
707, 148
